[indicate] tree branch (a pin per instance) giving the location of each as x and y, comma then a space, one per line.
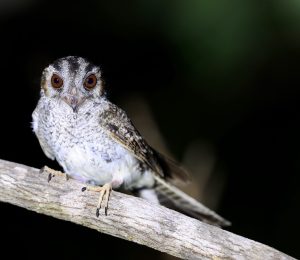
130, 218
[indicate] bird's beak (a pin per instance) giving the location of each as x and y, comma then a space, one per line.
73, 100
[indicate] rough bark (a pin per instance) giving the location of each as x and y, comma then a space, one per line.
128, 217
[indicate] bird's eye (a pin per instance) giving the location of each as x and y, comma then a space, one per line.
56, 81
90, 82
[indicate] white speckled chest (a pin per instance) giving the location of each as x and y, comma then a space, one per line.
81, 146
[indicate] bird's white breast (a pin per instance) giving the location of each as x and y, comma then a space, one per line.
82, 147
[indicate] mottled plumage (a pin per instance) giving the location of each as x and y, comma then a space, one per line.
95, 141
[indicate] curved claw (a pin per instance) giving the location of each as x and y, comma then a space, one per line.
105, 191
50, 176
52, 173
104, 197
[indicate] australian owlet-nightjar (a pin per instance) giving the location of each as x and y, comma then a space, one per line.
95, 142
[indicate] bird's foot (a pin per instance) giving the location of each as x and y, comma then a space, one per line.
105, 191
52, 173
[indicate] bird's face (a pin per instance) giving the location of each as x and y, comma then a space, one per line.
72, 80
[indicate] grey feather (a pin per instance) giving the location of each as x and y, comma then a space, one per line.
120, 128
96, 142
175, 198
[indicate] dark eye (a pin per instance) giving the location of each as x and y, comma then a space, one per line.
56, 81
90, 82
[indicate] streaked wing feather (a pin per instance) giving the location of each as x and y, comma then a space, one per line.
122, 130
174, 172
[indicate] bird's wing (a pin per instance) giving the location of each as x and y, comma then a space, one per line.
35, 125
120, 128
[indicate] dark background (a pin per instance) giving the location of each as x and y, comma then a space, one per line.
217, 81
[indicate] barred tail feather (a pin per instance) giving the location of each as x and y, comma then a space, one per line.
168, 193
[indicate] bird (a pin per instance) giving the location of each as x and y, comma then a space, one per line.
95, 142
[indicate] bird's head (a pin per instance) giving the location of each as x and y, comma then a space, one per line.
73, 80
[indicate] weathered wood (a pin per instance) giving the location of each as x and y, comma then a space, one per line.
130, 218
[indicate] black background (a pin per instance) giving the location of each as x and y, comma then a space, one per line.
227, 74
